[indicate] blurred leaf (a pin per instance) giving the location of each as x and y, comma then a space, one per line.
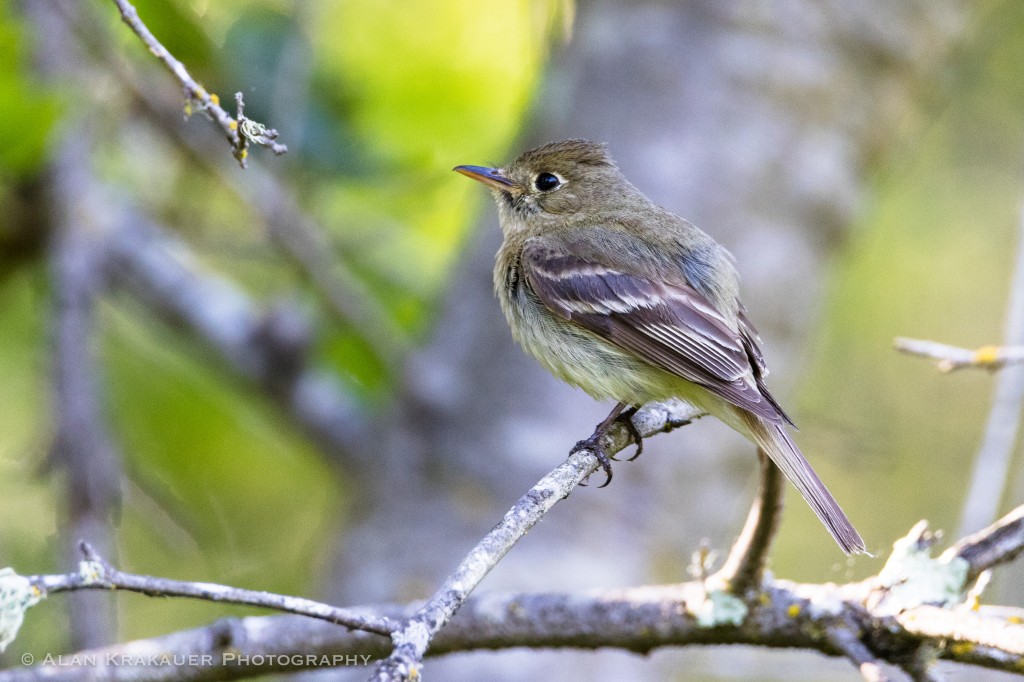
182, 31
219, 462
427, 86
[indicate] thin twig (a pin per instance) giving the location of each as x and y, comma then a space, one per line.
301, 238
744, 567
97, 574
413, 640
951, 358
240, 132
305, 241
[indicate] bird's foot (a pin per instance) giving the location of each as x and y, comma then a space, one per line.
626, 417
595, 443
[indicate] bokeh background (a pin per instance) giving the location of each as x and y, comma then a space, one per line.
861, 159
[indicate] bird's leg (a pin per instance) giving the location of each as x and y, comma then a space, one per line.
626, 417
595, 443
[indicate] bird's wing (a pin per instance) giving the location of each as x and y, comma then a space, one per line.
752, 342
671, 326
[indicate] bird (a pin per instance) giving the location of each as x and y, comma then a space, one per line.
624, 299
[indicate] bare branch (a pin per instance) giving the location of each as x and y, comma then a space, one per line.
744, 568
637, 619
833, 619
951, 358
241, 132
412, 641
82, 448
96, 574
1001, 542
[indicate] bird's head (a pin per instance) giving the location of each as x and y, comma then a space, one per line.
552, 182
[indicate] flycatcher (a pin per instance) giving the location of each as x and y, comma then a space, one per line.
616, 295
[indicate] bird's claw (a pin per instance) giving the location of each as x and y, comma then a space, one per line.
594, 444
627, 420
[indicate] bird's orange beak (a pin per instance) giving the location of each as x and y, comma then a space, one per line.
492, 177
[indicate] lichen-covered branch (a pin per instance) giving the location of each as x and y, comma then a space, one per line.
416, 634
836, 620
916, 604
240, 131
1001, 542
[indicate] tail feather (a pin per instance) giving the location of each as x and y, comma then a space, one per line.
774, 440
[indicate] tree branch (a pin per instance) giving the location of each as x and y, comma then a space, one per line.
96, 574
638, 619
240, 132
301, 238
952, 358
1001, 542
968, 637
744, 567
82, 450
848, 620
415, 636
846, 640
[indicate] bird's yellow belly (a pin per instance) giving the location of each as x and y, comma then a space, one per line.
582, 359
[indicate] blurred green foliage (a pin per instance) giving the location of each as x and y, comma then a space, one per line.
930, 257
27, 108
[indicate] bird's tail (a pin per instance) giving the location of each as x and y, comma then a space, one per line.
774, 440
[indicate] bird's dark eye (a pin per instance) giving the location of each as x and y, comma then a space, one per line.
545, 182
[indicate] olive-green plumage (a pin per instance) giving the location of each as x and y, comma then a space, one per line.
626, 300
